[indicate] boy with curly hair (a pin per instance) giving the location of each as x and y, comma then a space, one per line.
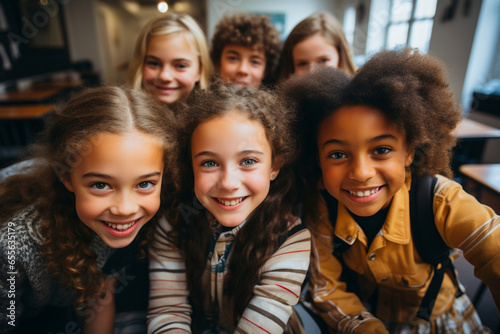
369, 140
245, 49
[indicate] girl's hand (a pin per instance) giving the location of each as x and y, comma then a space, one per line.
365, 322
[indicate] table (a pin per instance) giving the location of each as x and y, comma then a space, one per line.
471, 142
24, 111
483, 182
469, 129
487, 175
42, 92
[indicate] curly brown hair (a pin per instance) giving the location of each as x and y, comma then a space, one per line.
253, 31
408, 87
319, 23
258, 238
66, 240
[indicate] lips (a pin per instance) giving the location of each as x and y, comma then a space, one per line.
121, 226
231, 202
364, 193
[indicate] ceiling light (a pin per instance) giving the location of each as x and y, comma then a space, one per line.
162, 6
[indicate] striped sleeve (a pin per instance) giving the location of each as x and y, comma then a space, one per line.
281, 278
169, 310
474, 228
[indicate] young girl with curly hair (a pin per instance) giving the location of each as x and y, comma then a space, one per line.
171, 58
232, 256
369, 140
245, 49
73, 220
318, 40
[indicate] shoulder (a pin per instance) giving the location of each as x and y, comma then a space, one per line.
298, 236
23, 227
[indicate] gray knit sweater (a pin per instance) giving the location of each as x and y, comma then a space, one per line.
25, 285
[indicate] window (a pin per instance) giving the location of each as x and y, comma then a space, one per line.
396, 23
349, 24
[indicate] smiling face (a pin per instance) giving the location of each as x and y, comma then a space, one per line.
362, 158
171, 67
313, 51
117, 185
242, 65
232, 165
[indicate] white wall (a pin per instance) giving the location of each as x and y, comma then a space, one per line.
118, 33
484, 51
294, 10
81, 27
451, 41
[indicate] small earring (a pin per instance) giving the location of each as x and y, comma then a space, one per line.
273, 176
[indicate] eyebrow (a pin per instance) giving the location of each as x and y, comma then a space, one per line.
108, 177
159, 59
372, 140
245, 152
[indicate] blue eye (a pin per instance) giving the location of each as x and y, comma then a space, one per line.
248, 162
337, 155
145, 185
209, 163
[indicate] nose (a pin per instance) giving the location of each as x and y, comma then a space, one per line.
165, 74
124, 205
361, 169
229, 179
243, 67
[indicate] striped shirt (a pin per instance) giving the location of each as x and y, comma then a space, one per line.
280, 281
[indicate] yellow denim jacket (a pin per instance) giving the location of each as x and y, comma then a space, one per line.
392, 263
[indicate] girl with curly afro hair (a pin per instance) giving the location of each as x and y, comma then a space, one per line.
367, 141
232, 256
75, 219
245, 49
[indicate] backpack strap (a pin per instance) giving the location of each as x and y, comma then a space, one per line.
428, 242
282, 238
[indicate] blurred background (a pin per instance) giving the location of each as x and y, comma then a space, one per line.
50, 48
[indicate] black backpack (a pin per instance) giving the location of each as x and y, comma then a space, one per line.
430, 246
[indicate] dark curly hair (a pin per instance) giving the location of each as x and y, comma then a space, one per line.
258, 238
253, 31
408, 87
66, 240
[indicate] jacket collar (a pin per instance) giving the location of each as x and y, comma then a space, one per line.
396, 228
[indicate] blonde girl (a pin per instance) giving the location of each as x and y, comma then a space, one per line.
171, 58
318, 40
71, 222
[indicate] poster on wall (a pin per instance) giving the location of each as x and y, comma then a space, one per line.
276, 19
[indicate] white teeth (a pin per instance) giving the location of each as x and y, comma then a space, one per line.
364, 193
121, 227
230, 203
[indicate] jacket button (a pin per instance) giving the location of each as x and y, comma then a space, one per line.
371, 257
384, 279
349, 238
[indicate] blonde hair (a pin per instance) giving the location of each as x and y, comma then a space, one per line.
329, 27
163, 26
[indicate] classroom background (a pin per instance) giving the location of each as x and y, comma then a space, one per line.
50, 48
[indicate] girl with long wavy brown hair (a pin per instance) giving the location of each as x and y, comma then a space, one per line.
72, 221
232, 256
